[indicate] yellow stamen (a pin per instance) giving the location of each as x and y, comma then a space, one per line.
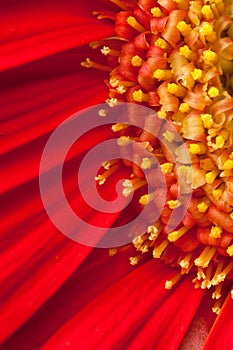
146, 163
185, 51
166, 168
169, 136
219, 141
230, 250
202, 207
90, 64
132, 185
206, 28
120, 4
176, 89
156, 12
207, 12
215, 232
107, 51
184, 107
217, 293
197, 74
228, 164
123, 141
231, 216
161, 43
184, 28
210, 176
146, 198
154, 232
112, 251
207, 283
136, 61
112, 102
173, 236
217, 194
197, 148
134, 24
162, 114
173, 204
101, 178
163, 74
134, 260
207, 120
216, 308
205, 257
170, 283
121, 89
157, 252
139, 96
119, 126
185, 262
209, 56
213, 92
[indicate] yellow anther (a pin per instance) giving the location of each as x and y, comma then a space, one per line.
161, 74
206, 29
231, 156
210, 176
146, 163
231, 216
102, 113
105, 50
184, 28
185, 51
100, 179
166, 168
153, 231
172, 88
217, 194
205, 257
209, 56
112, 102
161, 43
173, 236
162, 114
230, 250
113, 82
146, 198
215, 232
123, 141
157, 252
228, 164
90, 64
194, 148
134, 24
156, 12
213, 92
207, 12
112, 251
119, 126
207, 120
219, 141
176, 89
170, 283
133, 260
121, 89
169, 136
197, 74
139, 96
136, 61
173, 204
202, 207
184, 107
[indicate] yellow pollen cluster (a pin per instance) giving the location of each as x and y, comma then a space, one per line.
166, 168
215, 232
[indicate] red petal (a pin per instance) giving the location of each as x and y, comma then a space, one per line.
221, 334
114, 317
32, 30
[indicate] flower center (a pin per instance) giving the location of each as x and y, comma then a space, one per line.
176, 56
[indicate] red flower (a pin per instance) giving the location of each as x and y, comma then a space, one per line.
56, 293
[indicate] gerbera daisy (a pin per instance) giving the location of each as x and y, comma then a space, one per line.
176, 58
